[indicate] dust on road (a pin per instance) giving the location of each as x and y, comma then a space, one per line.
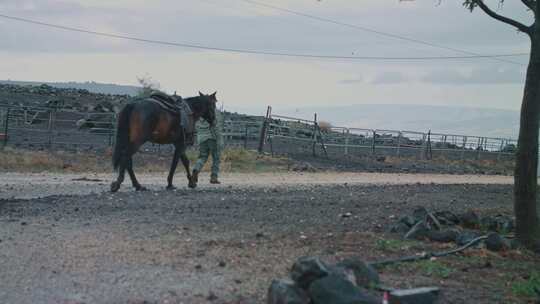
27, 186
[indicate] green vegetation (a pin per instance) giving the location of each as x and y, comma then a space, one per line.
394, 245
529, 287
435, 268
428, 268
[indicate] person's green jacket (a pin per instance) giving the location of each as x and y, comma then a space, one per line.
205, 132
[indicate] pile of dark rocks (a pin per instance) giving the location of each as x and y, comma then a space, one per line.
66, 98
47, 90
446, 226
350, 281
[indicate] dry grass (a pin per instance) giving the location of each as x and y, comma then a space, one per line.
38, 161
242, 160
232, 160
502, 166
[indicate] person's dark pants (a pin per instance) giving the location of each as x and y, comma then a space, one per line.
207, 148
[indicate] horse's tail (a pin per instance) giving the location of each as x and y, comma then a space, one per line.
122, 134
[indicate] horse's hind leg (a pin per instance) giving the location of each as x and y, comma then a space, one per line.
134, 181
174, 164
126, 163
121, 171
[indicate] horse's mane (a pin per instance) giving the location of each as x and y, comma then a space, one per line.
195, 102
193, 99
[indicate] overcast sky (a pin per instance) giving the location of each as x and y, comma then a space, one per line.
31, 52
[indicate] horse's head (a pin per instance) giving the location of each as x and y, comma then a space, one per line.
208, 107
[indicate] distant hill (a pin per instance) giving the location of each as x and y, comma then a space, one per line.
93, 87
444, 119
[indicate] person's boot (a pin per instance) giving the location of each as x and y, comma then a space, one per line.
214, 179
195, 176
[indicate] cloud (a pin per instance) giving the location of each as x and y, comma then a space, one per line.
57, 7
356, 80
390, 77
445, 76
484, 75
235, 24
50, 54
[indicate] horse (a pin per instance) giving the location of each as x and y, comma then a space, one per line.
147, 120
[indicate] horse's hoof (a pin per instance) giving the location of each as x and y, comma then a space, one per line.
141, 188
192, 185
115, 186
170, 187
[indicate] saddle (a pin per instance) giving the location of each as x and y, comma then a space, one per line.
167, 102
178, 107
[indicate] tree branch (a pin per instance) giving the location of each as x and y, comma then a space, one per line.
529, 4
428, 255
520, 26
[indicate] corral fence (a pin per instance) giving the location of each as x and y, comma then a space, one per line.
290, 135
55, 128
68, 129
59, 128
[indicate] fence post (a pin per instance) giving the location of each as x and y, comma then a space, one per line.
478, 147
373, 142
500, 150
347, 141
115, 129
6, 128
464, 147
314, 137
246, 136
423, 146
321, 139
50, 129
262, 138
398, 143
429, 153
111, 131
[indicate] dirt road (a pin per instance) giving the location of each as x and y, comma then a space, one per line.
26, 186
223, 244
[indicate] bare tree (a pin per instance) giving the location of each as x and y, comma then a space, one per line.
325, 126
525, 175
148, 85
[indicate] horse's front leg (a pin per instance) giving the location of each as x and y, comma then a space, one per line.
185, 162
174, 164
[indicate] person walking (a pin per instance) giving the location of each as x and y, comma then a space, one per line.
210, 140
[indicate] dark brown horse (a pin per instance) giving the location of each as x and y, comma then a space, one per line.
146, 120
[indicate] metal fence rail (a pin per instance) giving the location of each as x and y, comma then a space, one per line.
291, 135
60, 128
55, 128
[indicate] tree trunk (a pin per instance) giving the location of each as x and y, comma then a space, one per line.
525, 177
